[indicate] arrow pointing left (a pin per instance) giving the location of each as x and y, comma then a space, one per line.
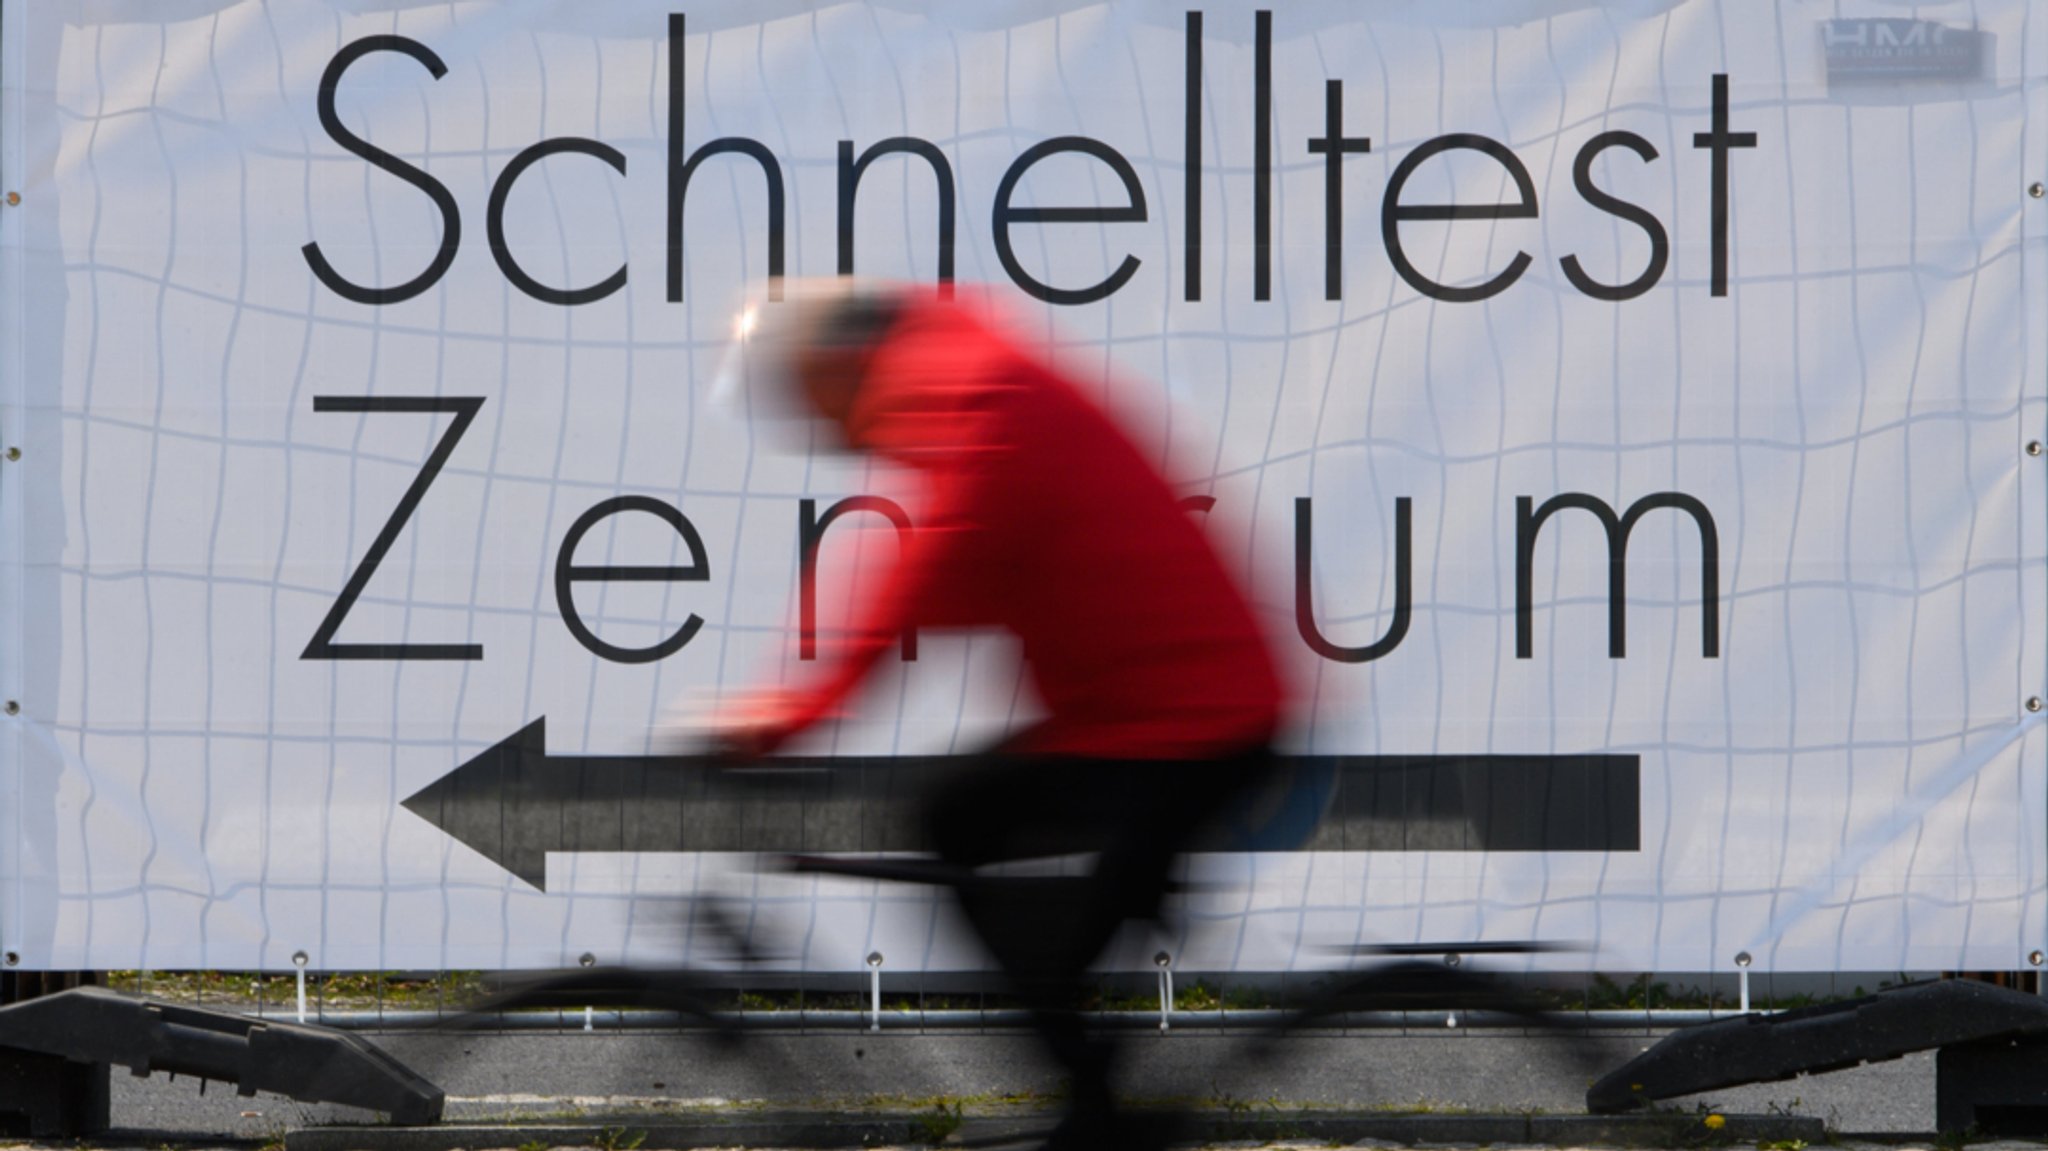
515, 804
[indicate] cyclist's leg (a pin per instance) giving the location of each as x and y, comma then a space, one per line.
1006, 809
1136, 817
1166, 806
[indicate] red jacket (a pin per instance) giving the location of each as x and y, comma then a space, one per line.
1044, 519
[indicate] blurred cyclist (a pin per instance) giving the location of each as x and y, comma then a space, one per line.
1041, 517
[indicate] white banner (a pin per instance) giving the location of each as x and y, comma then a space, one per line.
1628, 415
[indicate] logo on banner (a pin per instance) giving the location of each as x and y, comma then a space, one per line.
1875, 49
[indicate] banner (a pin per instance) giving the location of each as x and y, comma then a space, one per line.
1628, 417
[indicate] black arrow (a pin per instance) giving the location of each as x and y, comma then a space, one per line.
514, 803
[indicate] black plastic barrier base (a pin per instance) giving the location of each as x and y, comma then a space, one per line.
54, 1052
1991, 1073
48, 1096
1995, 1088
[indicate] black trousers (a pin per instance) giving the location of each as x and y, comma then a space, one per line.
1135, 816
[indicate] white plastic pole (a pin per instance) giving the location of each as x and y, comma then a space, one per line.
1164, 962
588, 960
875, 990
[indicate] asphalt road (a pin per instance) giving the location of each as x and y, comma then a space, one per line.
574, 1074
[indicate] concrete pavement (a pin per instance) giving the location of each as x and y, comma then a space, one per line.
570, 1075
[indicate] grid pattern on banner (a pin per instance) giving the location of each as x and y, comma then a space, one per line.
1847, 782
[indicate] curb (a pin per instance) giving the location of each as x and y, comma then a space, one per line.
831, 1130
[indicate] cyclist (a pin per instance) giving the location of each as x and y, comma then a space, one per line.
1160, 692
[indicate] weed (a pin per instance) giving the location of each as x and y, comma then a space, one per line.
1781, 1145
273, 1139
535, 1145
1232, 1105
620, 1139
934, 1126
1422, 1106
902, 1104
1957, 1140
1790, 1107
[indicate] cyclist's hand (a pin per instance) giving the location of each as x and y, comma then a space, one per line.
750, 725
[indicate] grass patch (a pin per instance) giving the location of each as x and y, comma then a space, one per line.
452, 990
341, 991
